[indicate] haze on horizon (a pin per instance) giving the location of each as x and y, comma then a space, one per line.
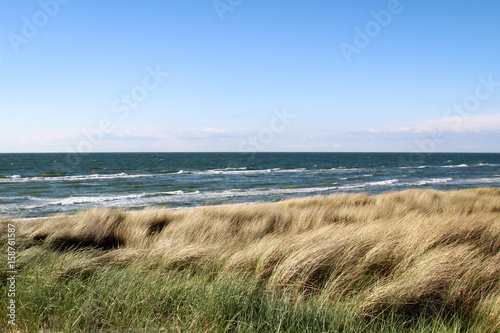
238, 75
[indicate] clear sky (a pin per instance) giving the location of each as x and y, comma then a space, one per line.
249, 75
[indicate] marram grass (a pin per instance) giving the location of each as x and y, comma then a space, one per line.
410, 261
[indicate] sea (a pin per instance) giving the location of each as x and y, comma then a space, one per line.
35, 185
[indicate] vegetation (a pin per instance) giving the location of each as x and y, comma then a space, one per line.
410, 261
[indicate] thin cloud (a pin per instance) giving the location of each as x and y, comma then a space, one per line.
479, 124
198, 134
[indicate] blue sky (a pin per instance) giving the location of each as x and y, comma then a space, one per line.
241, 75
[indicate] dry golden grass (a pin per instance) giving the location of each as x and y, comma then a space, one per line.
413, 253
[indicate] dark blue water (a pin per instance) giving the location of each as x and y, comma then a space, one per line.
43, 184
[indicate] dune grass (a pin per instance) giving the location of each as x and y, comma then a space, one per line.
410, 261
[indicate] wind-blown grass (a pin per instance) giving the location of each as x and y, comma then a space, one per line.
419, 261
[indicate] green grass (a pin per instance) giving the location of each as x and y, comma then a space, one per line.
197, 299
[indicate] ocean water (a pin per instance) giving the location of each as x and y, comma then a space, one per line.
45, 184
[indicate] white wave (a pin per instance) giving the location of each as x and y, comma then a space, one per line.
384, 182
82, 200
23, 197
487, 164
14, 198
71, 201
234, 190
274, 191
137, 200
484, 180
431, 181
290, 170
159, 194
455, 166
463, 181
350, 187
18, 179
241, 171
344, 169
197, 197
224, 171
414, 167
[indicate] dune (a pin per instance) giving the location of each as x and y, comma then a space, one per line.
415, 260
